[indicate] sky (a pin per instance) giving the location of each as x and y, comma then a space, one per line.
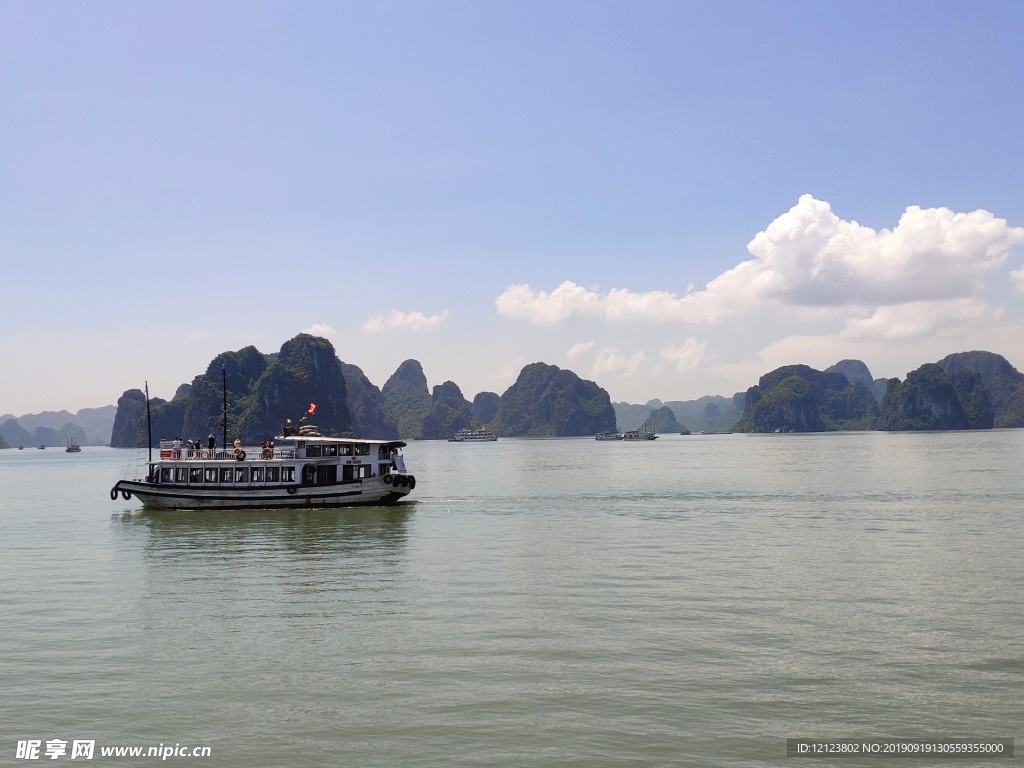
670, 198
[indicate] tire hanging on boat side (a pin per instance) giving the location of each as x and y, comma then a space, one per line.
113, 493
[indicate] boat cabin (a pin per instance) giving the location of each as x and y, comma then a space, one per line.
286, 461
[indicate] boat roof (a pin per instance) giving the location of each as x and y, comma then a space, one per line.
325, 439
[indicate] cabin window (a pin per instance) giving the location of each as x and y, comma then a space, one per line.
309, 474
273, 474
330, 450
313, 451
329, 474
195, 474
241, 474
257, 474
302, 444
353, 472
384, 452
225, 474
181, 474
211, 475
344, 450
165, 474
287, 474
362, 450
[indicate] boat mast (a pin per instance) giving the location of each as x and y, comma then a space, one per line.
149, 430
224, 374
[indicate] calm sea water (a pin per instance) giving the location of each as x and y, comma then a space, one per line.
693, 601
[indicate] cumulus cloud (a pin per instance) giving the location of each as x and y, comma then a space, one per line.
809, 257
415, 321
913, 319
578, 349
688, 356
608, 360
319, 329
1018, 278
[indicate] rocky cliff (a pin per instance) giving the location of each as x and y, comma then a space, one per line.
548, 401
407, 399
663, 421
1005, 384
264, 391
306, 371
366, 404
930, 399
449, 412
131, 410
856, 372
14, 434
798, 398
485, 407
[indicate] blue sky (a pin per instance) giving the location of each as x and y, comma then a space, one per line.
182, 178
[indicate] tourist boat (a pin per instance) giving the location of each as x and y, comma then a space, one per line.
473, 436
639, 434
606, 435
73, 447
300, 468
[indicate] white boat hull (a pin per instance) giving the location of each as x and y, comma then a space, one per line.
367, 492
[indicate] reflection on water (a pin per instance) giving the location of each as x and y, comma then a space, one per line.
348, 531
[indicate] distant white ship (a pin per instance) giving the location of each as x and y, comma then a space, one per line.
639, 434
473, 436
606, 435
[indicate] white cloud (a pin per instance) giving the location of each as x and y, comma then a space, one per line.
690, 355
319, 329
415, 321
809, 257
914, 319
608, 360
1018, 278
578, 349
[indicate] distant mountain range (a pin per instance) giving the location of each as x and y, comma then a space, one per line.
965, 390
266, 391
90, 426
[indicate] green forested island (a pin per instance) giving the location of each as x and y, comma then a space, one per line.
965, 390
264, 391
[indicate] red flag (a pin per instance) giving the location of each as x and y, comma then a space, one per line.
312, 409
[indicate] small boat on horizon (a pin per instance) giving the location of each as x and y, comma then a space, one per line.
639, 434
73, 447
606, 435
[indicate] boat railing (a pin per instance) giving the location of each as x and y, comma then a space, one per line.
202, 454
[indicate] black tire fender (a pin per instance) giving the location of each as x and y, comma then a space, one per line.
113, 493
388, 479
126, 495
412, 482
292, 490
